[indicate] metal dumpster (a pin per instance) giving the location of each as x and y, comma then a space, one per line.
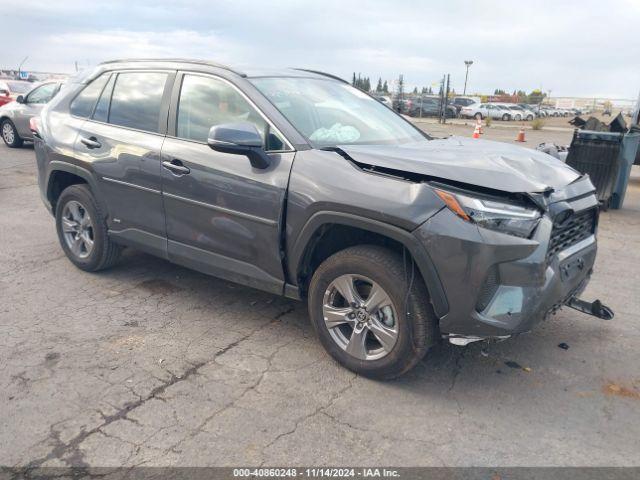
598, 155
628, 152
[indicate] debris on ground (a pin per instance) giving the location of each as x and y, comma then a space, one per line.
512, 364
621, 391
526, 369
563, 346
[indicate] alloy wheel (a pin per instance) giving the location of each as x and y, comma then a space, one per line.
7, 133
77, 228
360, 317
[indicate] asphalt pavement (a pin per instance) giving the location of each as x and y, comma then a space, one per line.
152, 364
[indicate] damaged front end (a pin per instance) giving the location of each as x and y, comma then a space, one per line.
506, 259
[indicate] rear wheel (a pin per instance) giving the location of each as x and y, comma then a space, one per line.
82, 230
478, 116
529, 117
10, 134
505, 117
371, 311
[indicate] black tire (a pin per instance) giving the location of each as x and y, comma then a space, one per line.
529, 117
506, 117
478, 116
17, 141
416, 322
104, 252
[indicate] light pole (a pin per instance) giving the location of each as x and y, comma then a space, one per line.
22, 63
468, 63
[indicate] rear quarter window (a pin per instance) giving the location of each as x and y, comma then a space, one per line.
83, 104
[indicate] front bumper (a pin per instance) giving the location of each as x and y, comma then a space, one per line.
497, 284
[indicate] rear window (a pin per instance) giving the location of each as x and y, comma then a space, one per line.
83, 104
136, 100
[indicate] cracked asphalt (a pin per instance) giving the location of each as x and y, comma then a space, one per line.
152, 364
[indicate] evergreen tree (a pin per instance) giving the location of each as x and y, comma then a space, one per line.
415, 90
353, 82
379, 85
385, 87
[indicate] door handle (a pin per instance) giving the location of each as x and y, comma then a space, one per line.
176, 167
91, 142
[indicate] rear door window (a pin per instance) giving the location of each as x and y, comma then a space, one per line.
137, 100
83, 104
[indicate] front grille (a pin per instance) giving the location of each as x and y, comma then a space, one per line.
579, 227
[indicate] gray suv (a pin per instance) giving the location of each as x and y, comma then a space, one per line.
296, 183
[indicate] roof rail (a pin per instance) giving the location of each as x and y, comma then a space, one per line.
324, 74
182, 60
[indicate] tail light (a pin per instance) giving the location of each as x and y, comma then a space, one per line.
34, 125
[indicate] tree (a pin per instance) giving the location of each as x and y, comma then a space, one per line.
385, 87
499, 91
379, 85
536, 96
353, 82
415, 90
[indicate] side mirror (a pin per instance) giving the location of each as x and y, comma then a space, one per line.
20, 99
239, 139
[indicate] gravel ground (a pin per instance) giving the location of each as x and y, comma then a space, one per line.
152, 364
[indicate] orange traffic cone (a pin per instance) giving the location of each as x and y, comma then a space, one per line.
479, 125
520, 137
476, 132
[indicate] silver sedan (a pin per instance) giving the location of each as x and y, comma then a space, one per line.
15, 116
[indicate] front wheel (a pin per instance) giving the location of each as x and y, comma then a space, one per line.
478, 116
505, 117
10, 134
371, 311
82, 230
529, 117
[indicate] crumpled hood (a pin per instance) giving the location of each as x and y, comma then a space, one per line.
484, 163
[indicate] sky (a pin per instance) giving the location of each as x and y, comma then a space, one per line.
588, 48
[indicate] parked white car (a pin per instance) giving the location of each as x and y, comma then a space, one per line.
519, 113
484, 110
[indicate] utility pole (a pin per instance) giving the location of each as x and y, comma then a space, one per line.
468, 63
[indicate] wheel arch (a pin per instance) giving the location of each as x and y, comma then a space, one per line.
324, 234
62, 175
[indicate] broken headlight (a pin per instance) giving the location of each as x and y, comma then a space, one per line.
492, 214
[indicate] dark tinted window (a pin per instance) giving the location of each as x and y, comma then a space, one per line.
206, 101
102, 108
82, 105
136, 100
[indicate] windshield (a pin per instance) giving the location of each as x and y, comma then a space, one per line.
20, 87
330, 113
